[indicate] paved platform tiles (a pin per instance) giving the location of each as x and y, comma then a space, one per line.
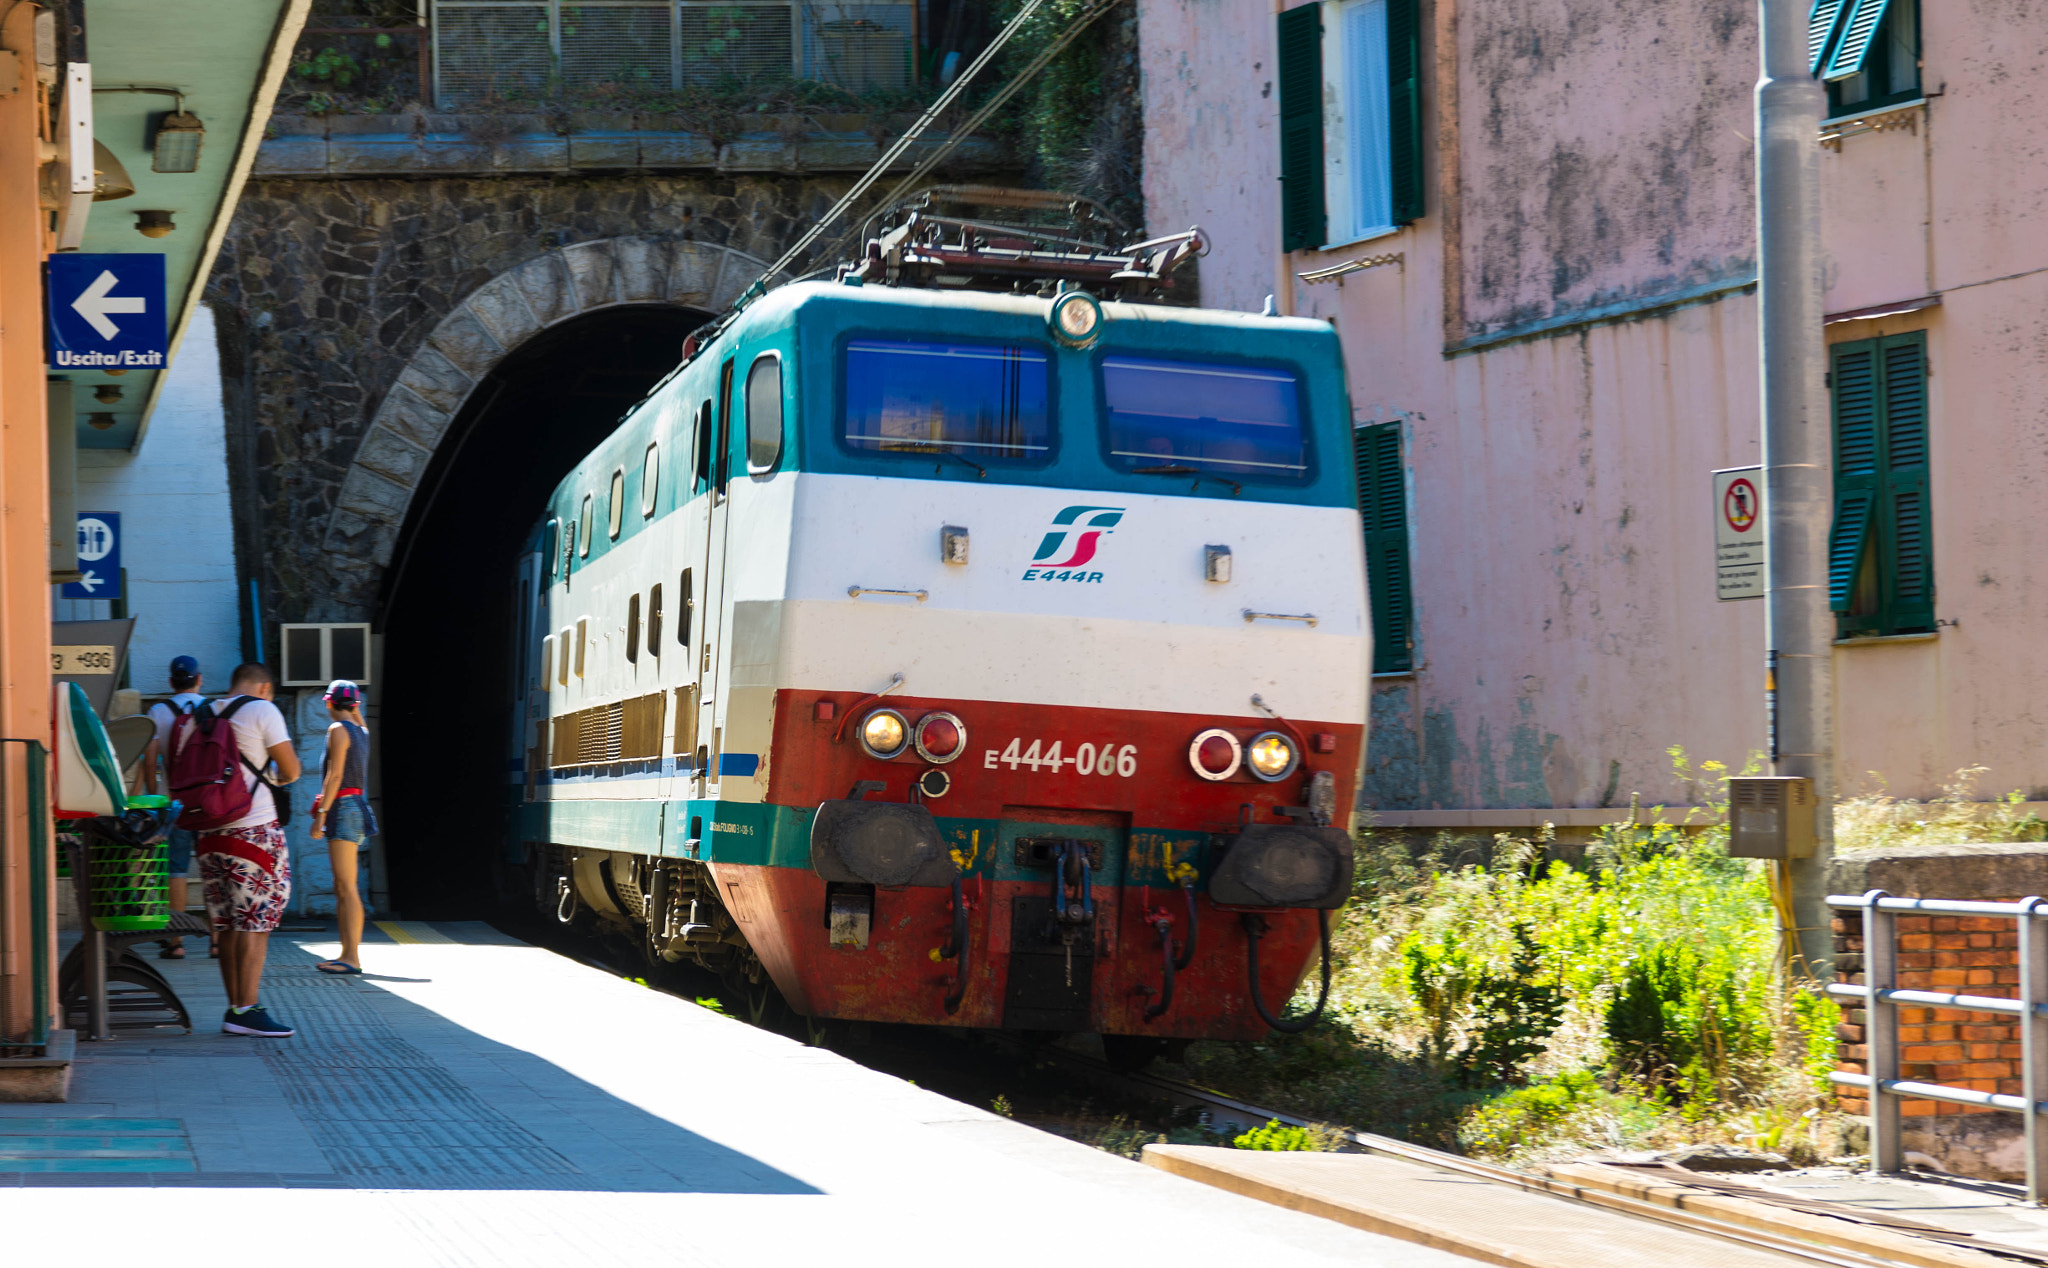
475, 1100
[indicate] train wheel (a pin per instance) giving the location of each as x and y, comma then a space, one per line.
1128, 1054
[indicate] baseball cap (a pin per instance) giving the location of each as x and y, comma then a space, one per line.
184, 669
342, 694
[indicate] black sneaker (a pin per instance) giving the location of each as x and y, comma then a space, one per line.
254, 1022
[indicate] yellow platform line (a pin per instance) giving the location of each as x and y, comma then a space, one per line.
413, 931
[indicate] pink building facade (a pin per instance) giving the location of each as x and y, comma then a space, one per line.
1544, 273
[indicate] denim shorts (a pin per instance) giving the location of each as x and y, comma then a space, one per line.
181, 840
351, 819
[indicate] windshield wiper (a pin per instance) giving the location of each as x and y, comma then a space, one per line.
980, 471
1236, 489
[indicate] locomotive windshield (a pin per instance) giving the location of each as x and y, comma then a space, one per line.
1178, 417
983, 401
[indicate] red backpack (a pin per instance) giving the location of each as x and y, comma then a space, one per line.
205, 768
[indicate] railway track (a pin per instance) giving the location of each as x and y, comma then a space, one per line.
970, 1061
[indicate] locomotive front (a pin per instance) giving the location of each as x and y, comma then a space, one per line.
1047, 626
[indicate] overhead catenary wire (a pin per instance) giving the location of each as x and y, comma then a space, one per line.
924, 168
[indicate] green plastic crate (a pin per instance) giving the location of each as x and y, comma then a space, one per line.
131, 886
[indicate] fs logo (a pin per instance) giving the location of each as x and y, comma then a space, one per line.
1076, 533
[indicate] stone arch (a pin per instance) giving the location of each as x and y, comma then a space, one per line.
482, 331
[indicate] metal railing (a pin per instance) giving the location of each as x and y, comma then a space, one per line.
1882, 998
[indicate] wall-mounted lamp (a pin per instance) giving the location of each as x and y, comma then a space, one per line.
110, 179
106, 394
176, 147
153, 224
99, 422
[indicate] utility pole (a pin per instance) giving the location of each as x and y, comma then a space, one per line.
1798, 448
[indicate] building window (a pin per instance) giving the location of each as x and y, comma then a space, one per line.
1383, 508
1868, 51
315, 655
1351, 159
1881, 547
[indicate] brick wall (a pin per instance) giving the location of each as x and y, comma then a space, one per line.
1962, 954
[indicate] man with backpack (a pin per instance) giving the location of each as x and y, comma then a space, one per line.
218, 754
186, 681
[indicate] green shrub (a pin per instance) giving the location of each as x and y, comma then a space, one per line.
1278, 1137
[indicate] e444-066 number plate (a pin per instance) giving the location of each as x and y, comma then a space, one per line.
1087, 759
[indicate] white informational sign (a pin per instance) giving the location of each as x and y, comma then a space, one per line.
1739, 533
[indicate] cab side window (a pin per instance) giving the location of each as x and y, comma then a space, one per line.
764, 414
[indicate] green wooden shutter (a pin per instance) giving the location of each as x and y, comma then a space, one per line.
1859, 32
1820, 31
1903, 517
1855, 393
1303, 218
1383, 508
1404, 107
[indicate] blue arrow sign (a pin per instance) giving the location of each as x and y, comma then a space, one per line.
99, 556
107, 312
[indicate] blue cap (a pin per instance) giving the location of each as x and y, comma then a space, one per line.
184, 669
342, 694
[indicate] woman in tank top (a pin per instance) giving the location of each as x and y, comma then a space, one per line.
343, 815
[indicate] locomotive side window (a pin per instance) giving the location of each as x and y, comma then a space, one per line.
615, 508
982, 401
764, 414
654, 620
650, 479
583, 530
549, 537
1188, 417
633, 629
689, 597
703, 464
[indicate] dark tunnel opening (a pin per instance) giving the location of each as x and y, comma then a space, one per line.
451, 594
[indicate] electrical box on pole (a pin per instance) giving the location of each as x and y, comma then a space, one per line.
1770, 817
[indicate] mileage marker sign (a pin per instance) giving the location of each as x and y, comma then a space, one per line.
1739, 533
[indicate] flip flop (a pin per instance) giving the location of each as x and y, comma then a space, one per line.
340, 968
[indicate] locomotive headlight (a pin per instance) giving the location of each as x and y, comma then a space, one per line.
1076, 318
939, 738
883, 732
1271, 756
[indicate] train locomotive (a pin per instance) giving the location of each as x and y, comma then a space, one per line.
972, 638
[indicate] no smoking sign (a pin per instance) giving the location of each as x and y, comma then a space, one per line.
1739, 533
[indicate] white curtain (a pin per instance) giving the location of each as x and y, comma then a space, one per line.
1365, 116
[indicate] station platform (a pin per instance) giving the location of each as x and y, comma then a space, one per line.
477, 1100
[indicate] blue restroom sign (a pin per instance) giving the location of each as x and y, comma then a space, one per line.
99, 557
107, 312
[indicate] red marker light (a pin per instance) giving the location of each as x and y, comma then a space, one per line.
940, 737
1215, 754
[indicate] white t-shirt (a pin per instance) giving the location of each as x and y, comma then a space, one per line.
258, 725
163, 715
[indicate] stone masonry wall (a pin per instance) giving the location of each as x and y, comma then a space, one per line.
326, 290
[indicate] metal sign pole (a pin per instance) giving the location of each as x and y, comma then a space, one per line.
1797, 444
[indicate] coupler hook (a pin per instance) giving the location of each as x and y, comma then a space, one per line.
1174, 957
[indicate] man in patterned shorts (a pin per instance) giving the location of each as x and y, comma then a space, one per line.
244, 864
